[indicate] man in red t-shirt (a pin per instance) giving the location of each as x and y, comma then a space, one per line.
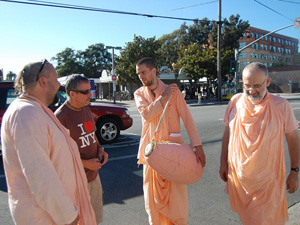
76, 116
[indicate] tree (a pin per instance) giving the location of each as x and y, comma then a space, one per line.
11, 76
232, 31
134, 51
89, 62
197, 62
67, 62
95, 59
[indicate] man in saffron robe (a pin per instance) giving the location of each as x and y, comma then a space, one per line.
166, 202
45, 177
252, 159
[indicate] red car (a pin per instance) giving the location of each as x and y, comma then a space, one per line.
109, 119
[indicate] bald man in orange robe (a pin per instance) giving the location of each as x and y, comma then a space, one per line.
166, 202
252, 160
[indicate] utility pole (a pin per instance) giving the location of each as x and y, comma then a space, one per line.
219, 55
113, 67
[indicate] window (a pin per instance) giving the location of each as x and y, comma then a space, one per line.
252, 55
262, 56
274, 39
279, 49
274, 57
266, 56
256, 46
243, 64
271, 57
279, 40
252, 34
242, 44
274, 48
243, 55
256, 56
271, 48
261, 46
256, 36
266, 47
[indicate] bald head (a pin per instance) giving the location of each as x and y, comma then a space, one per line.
30, 74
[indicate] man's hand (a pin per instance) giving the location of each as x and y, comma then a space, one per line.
92, 164
75, 222
200, 155
170, 89
292, 182
103, 156
224, 171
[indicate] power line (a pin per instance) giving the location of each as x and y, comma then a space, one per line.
273, 10
289, 1
205, 3
67, 6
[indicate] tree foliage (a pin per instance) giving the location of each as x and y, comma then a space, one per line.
232, 30
134, 51
89, 62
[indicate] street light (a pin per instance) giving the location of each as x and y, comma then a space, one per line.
113, 67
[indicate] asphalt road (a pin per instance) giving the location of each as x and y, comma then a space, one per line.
122, 178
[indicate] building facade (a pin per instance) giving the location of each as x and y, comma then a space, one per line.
272, 50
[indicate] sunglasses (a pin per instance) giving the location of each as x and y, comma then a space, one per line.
85, 92
42, 67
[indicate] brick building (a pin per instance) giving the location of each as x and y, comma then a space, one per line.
275, 49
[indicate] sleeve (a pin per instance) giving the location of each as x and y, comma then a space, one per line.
147, 110
187, 120
229, 109
34, 152
290, 122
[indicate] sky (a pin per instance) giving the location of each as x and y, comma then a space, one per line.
31, 33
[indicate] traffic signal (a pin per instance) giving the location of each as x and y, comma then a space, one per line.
233, 66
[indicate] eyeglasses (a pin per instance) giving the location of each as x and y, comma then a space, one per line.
85, 92
42, 67
254, 87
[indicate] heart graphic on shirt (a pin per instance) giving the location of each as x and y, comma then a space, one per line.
88, 126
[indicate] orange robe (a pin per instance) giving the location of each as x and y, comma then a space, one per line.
165, 202
45, 178
256, 165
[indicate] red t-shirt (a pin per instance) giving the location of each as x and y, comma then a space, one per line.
82, 130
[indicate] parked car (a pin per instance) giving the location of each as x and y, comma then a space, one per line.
110, 119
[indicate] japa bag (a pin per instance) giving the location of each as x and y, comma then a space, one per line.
175, 162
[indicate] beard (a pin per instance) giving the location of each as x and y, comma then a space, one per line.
258, 98
55, 100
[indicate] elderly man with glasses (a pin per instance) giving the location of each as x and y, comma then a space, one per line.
76, 116
252, 159
43, 170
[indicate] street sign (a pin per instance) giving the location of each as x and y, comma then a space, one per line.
297, 23
114, 77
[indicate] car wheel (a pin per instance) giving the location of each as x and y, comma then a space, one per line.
108, 131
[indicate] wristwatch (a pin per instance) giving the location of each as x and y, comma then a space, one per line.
295, 169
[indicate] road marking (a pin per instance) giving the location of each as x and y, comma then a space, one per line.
123, 157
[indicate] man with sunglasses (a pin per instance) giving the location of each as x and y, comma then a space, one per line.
76, 116
252, 159
42, 165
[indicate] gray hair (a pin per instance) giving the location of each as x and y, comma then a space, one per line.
74, 81
255, 66
27, 78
